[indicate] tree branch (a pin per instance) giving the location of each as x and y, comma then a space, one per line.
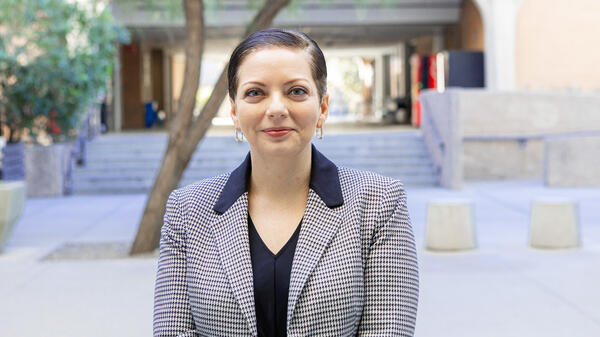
194, 34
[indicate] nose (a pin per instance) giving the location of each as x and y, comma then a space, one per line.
277, 107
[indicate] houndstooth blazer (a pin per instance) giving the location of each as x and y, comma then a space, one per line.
354, 271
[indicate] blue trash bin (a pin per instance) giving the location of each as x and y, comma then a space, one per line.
150, 115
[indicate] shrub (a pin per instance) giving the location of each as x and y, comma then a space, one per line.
55, 58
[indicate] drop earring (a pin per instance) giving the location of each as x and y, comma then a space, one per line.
239, 135
319, 132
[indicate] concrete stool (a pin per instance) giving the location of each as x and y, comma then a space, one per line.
12, 201
554, 223
450, 225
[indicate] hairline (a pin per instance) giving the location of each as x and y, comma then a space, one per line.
306, 49
274, 46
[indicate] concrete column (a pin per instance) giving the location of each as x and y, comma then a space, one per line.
146, 74
401, 82
379, 86
167, 80
500, 27
117, 117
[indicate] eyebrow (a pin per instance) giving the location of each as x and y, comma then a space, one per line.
286, 83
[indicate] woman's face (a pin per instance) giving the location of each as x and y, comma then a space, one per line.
277, 104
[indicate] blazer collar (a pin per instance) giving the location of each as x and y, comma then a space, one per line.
324, 180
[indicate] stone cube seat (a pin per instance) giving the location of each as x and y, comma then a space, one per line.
554, 223
450, 225
12, 202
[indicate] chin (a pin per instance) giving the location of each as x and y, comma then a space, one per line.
282, 149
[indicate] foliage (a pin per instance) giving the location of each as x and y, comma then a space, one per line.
55, 58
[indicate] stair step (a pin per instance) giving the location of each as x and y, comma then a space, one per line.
137, 187
228, 153
128, 163
153, 166
115, 177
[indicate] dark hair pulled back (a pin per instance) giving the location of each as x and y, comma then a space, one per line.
281, 38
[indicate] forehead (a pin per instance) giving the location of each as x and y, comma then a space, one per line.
275, 60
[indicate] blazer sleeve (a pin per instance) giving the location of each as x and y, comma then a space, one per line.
172, 312
391, 272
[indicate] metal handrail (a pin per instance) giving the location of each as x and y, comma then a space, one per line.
434, 130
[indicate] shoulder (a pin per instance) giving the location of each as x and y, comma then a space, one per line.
373, 191
201, 194
357, 181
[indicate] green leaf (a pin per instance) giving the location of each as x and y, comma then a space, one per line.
69, 55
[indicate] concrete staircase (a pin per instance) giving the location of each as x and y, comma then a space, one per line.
128, 162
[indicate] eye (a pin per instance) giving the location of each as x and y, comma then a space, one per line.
298, 91
253, 93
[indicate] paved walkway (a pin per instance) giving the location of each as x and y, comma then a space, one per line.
502, 289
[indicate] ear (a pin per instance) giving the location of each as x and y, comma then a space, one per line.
323, 111
233, 113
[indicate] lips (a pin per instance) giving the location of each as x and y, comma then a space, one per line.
277, 132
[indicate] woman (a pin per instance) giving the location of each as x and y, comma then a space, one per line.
287, 243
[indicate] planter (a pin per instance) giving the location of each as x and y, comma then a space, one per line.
48, 169
12, 201
13, 161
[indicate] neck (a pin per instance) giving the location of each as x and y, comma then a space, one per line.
281, 177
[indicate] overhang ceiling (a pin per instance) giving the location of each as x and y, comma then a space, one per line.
330, 22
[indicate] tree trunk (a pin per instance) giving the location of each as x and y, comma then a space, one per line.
185, 134
173, 163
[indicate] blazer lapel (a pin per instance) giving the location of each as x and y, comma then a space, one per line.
231, 232
319, 226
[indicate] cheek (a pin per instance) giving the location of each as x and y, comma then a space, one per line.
248, 114
309, 114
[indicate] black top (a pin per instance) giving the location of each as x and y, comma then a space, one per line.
271, 282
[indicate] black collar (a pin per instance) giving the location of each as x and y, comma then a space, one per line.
324, 180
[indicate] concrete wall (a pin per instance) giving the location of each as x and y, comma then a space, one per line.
503, 159
512, 135
487, 113
557, 45
572, 161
